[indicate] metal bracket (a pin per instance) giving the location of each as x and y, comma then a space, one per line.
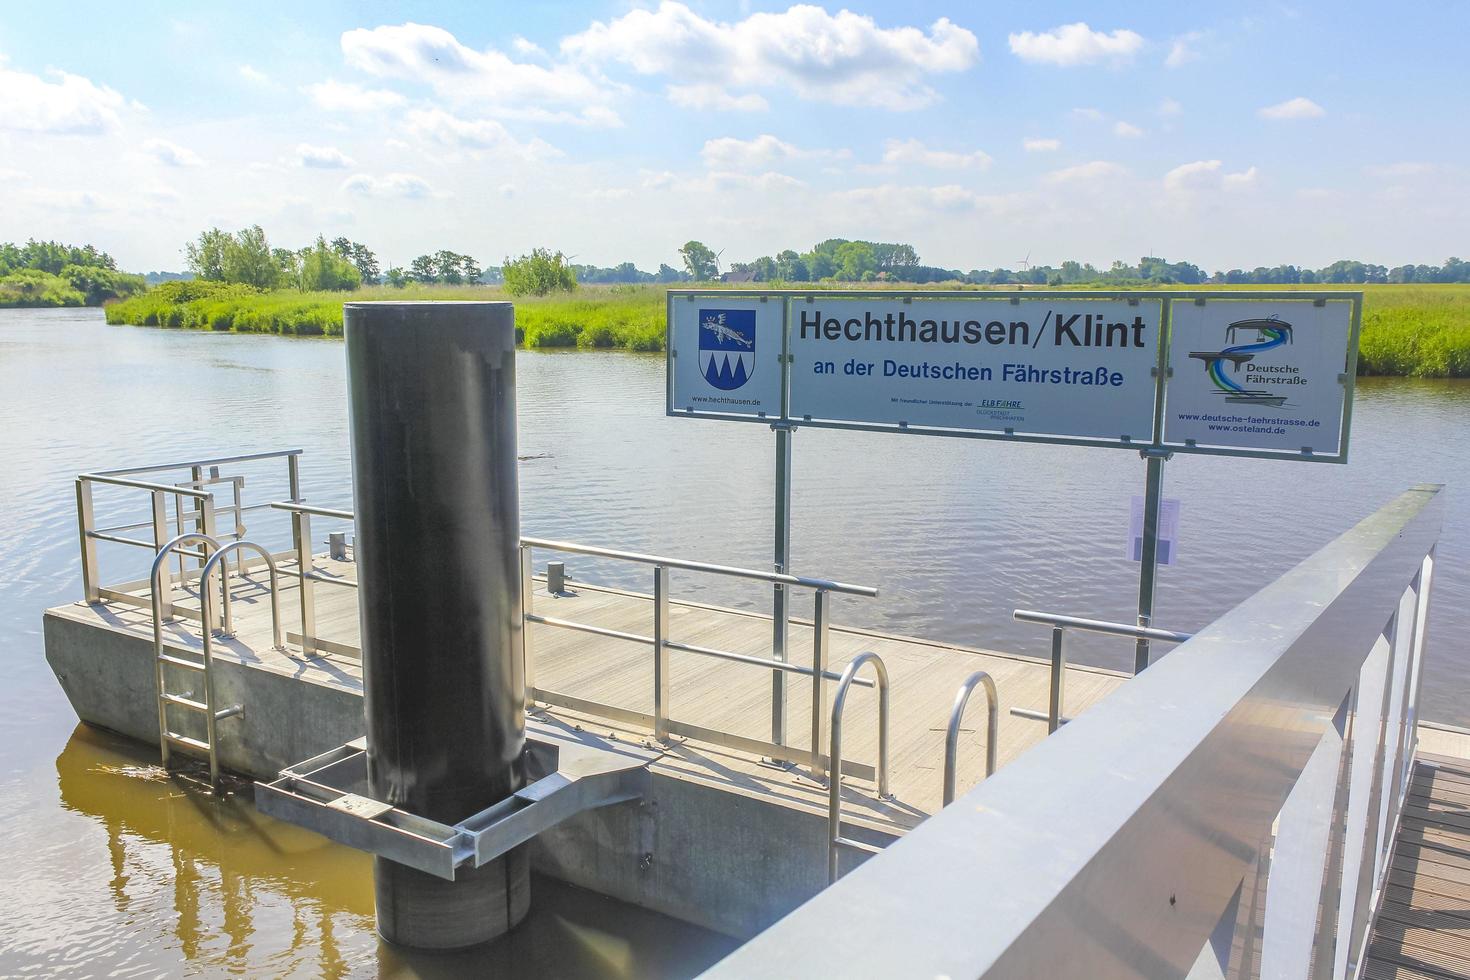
328, 794
1156, 452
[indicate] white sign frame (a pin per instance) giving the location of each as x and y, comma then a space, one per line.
1169, 300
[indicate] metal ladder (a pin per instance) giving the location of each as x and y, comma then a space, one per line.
835, 839
168, 738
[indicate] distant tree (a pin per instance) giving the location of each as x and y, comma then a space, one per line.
206, 256
667, 273
538, 273
854, 260
765, 269
700, 261
447, 264
791, 267
397, 278
423, 269
249, 260
324, 268
470, 269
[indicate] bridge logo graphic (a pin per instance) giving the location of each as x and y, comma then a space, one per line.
727, 347
1262, 334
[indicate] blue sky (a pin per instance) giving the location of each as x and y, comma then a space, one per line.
1230, 135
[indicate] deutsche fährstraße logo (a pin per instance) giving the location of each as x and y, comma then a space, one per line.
1265, 333
727, 347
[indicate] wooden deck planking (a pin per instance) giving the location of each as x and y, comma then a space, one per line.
1422, 930
719, 694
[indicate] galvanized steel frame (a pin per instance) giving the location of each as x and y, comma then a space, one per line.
1125, 844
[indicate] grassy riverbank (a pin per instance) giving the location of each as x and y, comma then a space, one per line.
627, 317
1418, 331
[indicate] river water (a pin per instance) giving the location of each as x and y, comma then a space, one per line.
114, 869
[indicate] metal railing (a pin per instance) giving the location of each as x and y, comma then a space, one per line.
195, 510
1228, 812
814, 757
663, 725
952, 732
835, 841
1054, 716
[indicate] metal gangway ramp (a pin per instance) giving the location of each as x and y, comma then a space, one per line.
1249, 806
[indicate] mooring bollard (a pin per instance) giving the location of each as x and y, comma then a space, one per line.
431, 390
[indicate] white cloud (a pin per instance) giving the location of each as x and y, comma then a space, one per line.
336, 96
1126, 130
390, 185
729, 153
8, 176
1091, 115
843, 58
1405, 168
709, 97
527, 47
449, 130
1206, 175
1035, 145
70, 105
255, 76
1297, 108
1091, 171
322, 157
487, 80
1075, 44
171, 154
1169, 107
1182, 50
910, 199
914, 152
764, 182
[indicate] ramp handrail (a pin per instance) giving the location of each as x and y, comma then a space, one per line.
1230, 811
952, 732
835, 840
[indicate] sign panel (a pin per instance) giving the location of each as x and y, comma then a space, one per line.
725, 355
1048, 366
1271, 375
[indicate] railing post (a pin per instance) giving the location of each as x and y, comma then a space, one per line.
528, 600
301, 541
821, 639
196, 477
1058, 678
660, 652
85, 521
293, 477
165, 582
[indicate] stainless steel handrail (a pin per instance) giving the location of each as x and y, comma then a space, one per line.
299, 507
1100, 626
698, 566
1059, 624
190, 464
835, 840
211, 719
117, 481
156, 600
952, 733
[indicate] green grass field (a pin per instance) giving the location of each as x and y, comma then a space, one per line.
1418, 331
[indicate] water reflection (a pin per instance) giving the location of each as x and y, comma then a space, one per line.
238, 891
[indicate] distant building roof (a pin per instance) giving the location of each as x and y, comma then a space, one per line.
747, 275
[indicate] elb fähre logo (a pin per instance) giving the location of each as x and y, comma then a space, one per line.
727, 347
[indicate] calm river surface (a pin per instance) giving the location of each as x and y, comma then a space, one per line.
113, 869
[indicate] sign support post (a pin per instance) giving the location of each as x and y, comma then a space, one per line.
781, 605
1153, 494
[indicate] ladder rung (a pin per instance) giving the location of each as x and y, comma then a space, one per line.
181, 662
184, 702
187, 742
857, 845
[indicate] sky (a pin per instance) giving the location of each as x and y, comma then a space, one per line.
984, 134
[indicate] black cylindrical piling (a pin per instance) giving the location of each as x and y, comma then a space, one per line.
431, 388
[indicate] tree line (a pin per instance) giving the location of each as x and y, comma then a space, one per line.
341, 264
53, 274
